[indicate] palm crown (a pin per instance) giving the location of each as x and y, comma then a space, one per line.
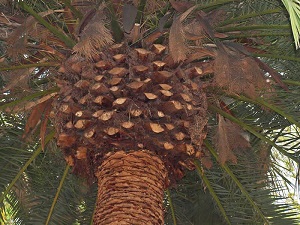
193, 97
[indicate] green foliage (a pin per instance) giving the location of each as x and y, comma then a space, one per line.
293, 9
36, 185
193, 203
30, 199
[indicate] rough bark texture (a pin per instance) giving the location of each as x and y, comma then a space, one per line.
130, 189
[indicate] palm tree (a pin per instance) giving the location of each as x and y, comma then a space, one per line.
155, 106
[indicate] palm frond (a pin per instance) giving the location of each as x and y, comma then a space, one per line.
293, 9
237, 207
36, 186
60, 197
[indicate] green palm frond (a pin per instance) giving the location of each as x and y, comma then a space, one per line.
237, 207
253, 193
36, 187
59, 196
293, 8
192, 203
12, 155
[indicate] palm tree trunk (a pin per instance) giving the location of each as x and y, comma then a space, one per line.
130, 189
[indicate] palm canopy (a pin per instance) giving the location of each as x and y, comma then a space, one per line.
235, 184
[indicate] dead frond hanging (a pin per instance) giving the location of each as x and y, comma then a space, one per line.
39, 32
228, 138
44, 122
17, 40
39, 113
18, 48
17, 80
194, 31
177, 40
215, 17
206, 159
239, 74
25, 106
177, 46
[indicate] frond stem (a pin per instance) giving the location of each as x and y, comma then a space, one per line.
292, 82
171, 206
64, 176
274, 56
266, 34
260, 101
66, 39
19, 174
76, 13
253, 27
215, 4
28, 97
25, 66
237, 182
250, 15
92, 221
211, 190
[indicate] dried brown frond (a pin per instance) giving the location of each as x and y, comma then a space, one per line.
17, 40
197, 128
36, 116
206, 159
7, 26
273, 73
70, 20
25, 106
180, 6
238, 74
26, 27
228, 138
4, 32
94, 37
177, 40
153, 37
215, 17
18, 48
200, 29
39, 32
194, 31
17, 80
51, 51
44, 121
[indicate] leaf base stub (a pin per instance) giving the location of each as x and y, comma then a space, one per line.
131, 99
